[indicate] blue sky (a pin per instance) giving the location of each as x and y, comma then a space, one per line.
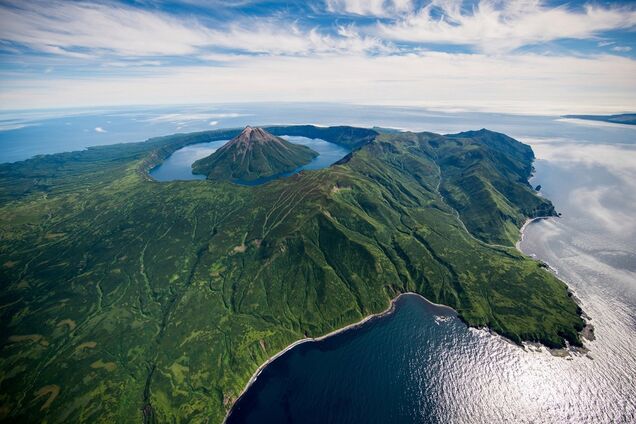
518, 56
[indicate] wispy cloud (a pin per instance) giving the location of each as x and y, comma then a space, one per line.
128, 64
381, 8
598, 196
365, 51
183, 118
290, 39
622, 49
70, 27
10, 125
496, 26
83, 30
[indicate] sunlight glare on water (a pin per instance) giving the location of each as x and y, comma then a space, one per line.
421, 364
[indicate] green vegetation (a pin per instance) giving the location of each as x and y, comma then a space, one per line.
126, 299
484, 169
253, 154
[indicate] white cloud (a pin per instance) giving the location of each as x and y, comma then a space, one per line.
598, 197
619, 159
10, 125
515, 83
183, 118
369, 7
100, 130
221, 57
291, 40
85, 30
496, 26
273, 60
595, 202
135, 63
621, 49
61, 27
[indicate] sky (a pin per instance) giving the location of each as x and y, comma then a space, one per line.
517, 56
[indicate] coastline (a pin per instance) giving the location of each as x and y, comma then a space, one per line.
525, 225
368, 318
588, 330
563, 352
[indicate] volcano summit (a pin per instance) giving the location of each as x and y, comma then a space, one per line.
253, 154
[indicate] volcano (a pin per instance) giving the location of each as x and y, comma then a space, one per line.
253, 154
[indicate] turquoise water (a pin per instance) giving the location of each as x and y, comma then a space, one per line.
178, 166
420, 365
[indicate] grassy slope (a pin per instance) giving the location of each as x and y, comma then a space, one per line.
121, 293
484, 168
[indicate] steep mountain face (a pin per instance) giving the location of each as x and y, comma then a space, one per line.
253, 154
483, 169
129, 300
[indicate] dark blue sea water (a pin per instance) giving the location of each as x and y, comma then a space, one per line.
289, 391
419, 364
25, 134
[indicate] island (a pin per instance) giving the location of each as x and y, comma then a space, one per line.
624, 118
127, 299
252, 155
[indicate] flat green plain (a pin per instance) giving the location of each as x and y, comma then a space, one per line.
125, 300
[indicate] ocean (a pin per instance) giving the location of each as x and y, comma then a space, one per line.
421, 364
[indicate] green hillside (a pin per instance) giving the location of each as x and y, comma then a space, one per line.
124, 299
253, 154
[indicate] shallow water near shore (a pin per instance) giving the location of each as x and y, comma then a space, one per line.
419, 365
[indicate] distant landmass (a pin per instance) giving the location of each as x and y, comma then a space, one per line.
253, 154
127, 299
625, 118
